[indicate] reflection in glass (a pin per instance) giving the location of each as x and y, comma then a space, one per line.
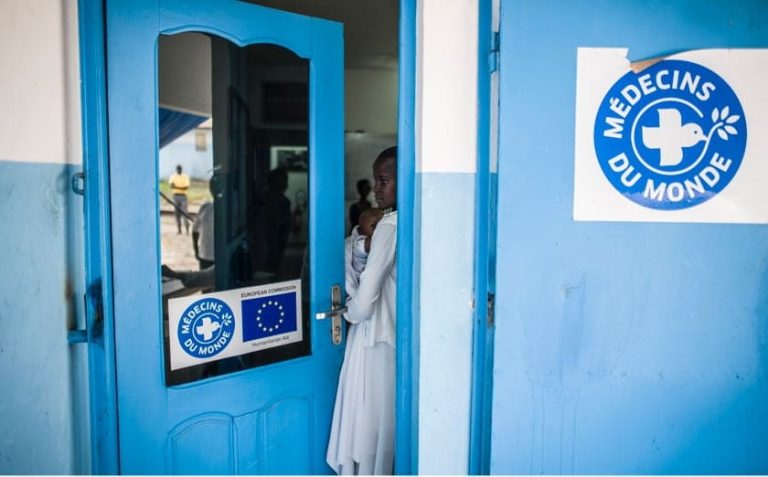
248, 188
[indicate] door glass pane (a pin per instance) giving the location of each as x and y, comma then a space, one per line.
233, 191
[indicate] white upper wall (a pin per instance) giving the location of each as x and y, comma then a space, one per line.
184, 62
447, 86
185, 71
371, 100
40, 80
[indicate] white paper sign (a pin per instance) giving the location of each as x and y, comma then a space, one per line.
682, 138
204, 328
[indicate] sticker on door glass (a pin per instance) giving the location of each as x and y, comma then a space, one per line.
230, 323
270, 316
671, 140
206, 327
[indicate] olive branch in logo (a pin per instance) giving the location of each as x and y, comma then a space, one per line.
724, 123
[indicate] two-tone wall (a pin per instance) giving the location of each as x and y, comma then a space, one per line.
446, 150
43, 409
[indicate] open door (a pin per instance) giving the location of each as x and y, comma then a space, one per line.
632, 343
230, 368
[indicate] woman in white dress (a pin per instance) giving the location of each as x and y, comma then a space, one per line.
363, 429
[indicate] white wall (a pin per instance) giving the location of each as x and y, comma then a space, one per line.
448, 86
371, 100
184, 62
39, 84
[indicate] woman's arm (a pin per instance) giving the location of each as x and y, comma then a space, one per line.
380, 262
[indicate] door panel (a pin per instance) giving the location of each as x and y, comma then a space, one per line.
288, 421
202, 445
273, 418
620, 348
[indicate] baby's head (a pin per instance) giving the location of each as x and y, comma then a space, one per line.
368, 220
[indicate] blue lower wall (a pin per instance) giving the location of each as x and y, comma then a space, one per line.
620, 348
43, 407
446, 293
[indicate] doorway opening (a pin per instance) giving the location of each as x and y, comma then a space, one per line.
370, 79
380, 57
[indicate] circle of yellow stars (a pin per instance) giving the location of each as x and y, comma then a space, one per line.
262, 326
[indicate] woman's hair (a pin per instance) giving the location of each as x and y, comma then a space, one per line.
388, 153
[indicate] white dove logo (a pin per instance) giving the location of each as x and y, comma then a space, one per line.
208, 328
671, 136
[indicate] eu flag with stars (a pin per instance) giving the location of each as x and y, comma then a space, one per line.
269, 316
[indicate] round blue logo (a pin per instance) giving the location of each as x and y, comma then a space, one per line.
206, 327
670, 137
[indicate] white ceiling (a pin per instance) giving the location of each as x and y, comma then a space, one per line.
370, 27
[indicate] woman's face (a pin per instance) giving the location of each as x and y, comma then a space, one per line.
385, 183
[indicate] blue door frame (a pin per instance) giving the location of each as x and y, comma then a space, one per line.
407, 398
100, 318
485, 232
104, 447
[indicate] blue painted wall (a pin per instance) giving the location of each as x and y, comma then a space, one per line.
44, 402
620, 347
445, 299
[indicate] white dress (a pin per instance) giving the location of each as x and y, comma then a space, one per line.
363, 428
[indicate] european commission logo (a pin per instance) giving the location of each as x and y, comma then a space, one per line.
670, 137
269, 316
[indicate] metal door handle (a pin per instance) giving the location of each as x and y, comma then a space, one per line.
337, 309
330, 314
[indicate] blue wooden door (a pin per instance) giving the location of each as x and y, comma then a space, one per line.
621, 347
268, 418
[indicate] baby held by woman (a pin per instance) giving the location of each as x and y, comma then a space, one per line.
359, 242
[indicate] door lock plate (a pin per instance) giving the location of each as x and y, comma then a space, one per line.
336, 312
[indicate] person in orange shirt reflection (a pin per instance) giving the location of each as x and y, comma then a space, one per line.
179, 184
